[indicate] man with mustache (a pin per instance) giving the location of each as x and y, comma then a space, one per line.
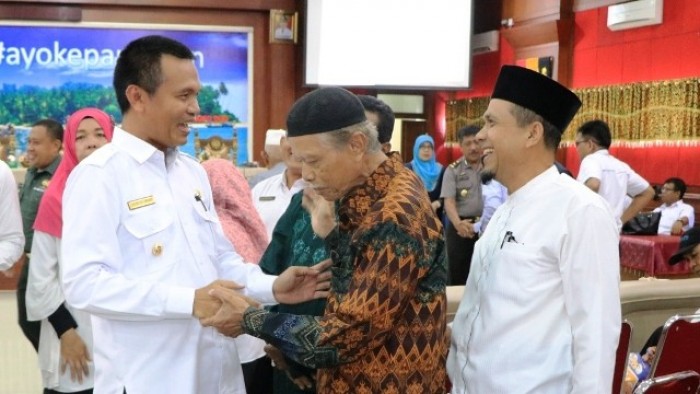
541, 307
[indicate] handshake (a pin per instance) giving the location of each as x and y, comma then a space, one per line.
221, 305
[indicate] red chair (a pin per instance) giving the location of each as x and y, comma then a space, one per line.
675, 383
679, 346
623, 348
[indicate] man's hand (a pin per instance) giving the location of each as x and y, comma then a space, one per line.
74, 355
229, 317
276, 356
204, 304
465, 229
321, 210
299, 284
677, 228
302, 381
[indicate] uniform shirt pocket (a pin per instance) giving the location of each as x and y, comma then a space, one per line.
152, 230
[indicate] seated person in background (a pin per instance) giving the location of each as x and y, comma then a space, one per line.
676, 216
428, 170
639, 365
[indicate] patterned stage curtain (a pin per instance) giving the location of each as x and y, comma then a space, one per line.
460, 113
644, 111
637, 113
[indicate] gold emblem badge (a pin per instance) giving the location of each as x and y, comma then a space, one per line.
45, 183
157, 249
464, 192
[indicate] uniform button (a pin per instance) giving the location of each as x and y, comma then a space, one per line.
157, 249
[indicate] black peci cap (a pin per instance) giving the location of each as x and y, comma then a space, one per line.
538, 93
324, 109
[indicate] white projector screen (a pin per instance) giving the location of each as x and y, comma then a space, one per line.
397, 44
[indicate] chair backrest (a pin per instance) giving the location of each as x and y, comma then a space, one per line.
623, 347
675, 383
679, 346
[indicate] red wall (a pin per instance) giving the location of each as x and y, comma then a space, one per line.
670, 50
601, 57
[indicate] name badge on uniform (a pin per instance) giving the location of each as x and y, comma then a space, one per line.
267, 198
141, 202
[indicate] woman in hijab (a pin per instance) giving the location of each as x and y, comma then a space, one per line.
428, 170
65, 344
245, 230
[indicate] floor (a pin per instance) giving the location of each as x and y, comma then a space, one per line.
19, 371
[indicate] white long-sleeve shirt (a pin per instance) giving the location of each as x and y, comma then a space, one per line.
11, 235
44, 296
140, 235
541, 308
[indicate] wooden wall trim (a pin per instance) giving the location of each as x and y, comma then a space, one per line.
253, 5
60, 13
583, 5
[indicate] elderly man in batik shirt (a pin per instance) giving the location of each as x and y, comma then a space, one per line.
383, 330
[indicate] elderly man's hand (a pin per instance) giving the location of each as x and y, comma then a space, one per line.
229, 318
299, 284
204, 304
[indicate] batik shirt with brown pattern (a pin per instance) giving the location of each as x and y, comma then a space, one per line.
383, 330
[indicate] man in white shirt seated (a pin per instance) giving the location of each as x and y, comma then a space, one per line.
677, 217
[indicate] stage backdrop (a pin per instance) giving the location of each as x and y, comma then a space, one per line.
51, 70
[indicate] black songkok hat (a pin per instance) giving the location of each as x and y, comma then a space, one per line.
324, 109
538, 93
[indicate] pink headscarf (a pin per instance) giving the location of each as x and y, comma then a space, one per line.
234, 205
49, 218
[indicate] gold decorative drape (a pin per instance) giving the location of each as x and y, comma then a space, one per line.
644, 111
460, 113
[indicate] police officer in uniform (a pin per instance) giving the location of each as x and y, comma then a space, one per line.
461, 191
43, 147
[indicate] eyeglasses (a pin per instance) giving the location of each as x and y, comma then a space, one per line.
579, 142
667, 189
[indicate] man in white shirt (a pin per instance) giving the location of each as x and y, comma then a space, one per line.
272, 156
676, 216
143, 245
271, 196
11, 235
494, 195
541, 309
607, 175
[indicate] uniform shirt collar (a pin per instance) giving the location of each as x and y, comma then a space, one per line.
51, 168
137, 148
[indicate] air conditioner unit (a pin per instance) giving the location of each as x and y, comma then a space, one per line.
485, 42
635, 14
